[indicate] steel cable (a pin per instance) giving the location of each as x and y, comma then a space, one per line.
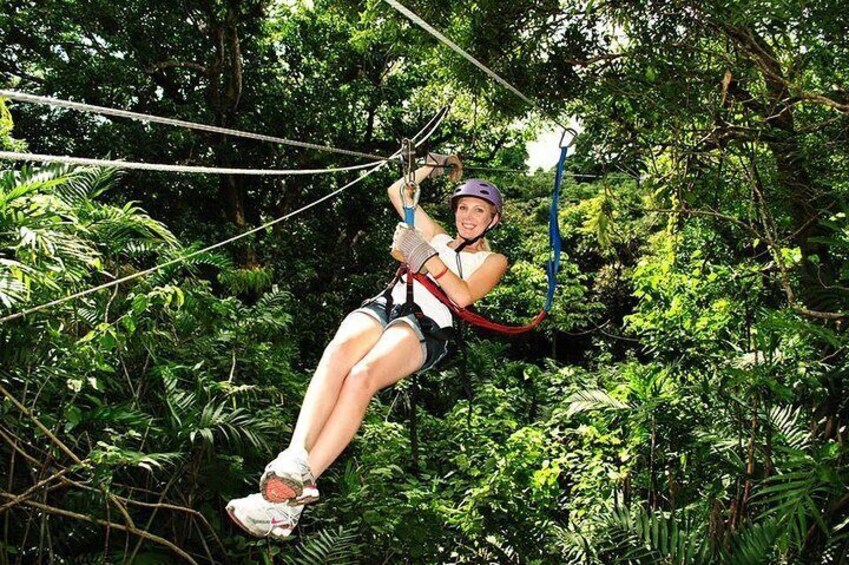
436, 121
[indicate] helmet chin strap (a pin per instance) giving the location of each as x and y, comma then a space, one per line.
467, 242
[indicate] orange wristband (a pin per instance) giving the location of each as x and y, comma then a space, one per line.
437, 277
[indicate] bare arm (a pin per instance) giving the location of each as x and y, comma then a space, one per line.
465, 292
424, 222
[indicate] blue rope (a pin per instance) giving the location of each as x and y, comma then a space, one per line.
554, 232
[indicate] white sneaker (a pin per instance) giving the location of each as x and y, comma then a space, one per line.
288, 479
261, 518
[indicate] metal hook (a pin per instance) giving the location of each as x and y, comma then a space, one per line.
408, 156
409, 203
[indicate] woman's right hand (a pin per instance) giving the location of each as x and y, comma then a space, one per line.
409, 246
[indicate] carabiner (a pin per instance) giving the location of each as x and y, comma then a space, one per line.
563, 136
410, 202
410, 185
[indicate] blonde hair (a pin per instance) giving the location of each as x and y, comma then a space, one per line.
493, 211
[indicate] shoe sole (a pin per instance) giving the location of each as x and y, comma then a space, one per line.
280, 489
232, 513
308, 496
285, 531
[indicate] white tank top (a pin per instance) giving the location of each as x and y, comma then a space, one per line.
430, 305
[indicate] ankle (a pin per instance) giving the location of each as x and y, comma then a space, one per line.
315, 466
298, 451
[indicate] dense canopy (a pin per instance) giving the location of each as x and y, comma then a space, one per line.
685, 403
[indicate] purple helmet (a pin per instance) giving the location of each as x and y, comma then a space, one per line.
478, 188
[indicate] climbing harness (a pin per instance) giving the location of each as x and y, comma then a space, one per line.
464, 315
410, 192
552, 266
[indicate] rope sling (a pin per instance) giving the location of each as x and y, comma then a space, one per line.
464, 315
552, 267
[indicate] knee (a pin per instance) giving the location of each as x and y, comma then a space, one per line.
362, 380
342, 349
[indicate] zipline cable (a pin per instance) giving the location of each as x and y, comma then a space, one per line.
457, 49
567, 173
46, 100
120, 164
441, 116
460, 51
134, 165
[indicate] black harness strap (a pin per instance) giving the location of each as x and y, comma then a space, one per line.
389, 302
461, 337
410, 307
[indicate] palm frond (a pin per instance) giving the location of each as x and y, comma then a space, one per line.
794, 500
327, 547
118, 226
28, 181
592, 399
576, 547
138, 249
114, 456
754, 544
786, 421
87, 183
235, 426
209, 258
13, 290
634, 536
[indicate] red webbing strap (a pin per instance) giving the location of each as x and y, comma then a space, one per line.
471, 317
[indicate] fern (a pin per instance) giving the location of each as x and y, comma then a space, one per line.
634, 536
327, 547
593, 399
247, 280
755, 544
785, 420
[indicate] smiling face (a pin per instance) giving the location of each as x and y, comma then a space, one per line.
472, 216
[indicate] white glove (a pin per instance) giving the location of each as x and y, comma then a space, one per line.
412, 247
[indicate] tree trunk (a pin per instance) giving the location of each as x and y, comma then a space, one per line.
225, 92
791, 165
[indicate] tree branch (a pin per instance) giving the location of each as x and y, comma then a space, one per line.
128, 528
150, 69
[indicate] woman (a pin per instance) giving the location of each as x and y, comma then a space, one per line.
376, 346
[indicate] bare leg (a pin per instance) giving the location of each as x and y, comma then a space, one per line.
396, 355
354, 338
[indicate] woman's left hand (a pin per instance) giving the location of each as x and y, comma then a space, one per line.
439, 163
412, 247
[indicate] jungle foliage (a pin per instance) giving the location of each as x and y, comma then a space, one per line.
686, 403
